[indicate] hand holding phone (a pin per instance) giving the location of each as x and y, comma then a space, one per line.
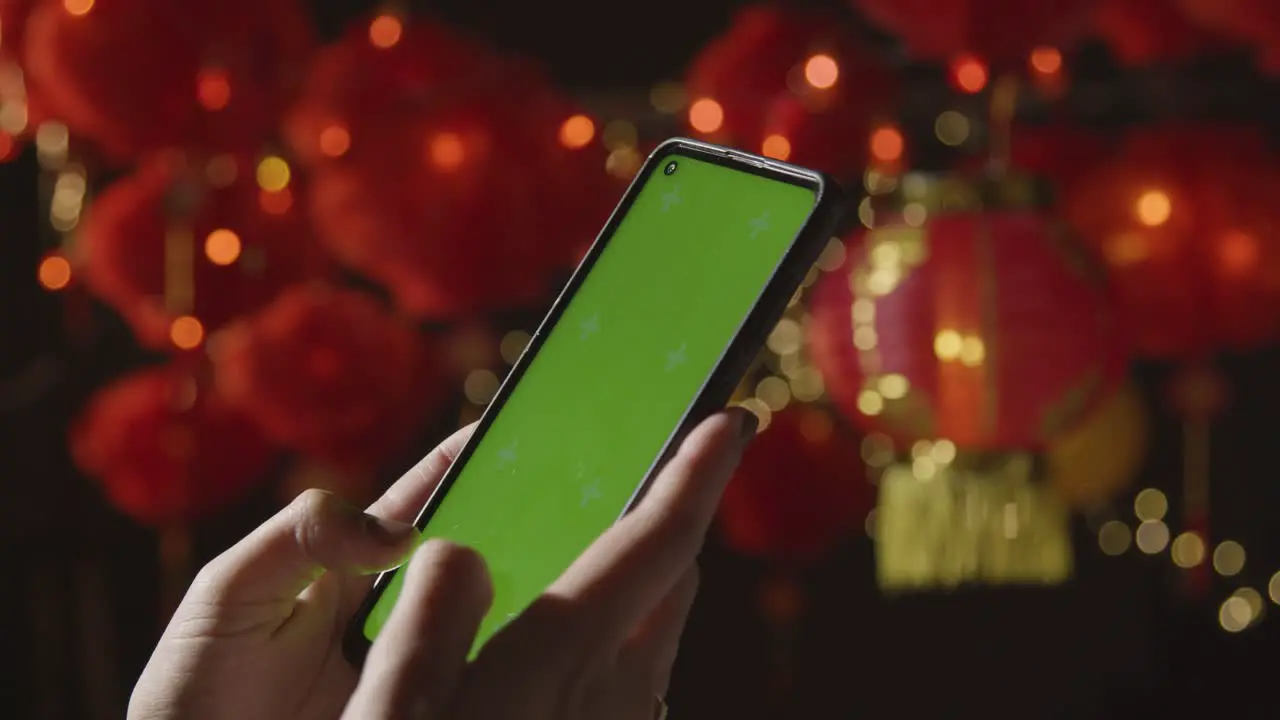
650, 337
255, 636
599, 643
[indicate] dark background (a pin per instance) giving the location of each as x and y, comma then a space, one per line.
79, 610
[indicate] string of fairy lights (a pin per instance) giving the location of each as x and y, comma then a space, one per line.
787, 376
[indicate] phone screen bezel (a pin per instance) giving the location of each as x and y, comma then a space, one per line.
732, 365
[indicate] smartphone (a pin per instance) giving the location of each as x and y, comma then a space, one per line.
651, 335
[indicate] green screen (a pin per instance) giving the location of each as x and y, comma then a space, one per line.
614, 377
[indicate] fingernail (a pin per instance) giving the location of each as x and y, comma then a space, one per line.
387, 532
748, 422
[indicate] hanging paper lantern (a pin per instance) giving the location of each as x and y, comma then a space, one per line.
13, 22
800, 489
136, 75
166, 450
1001, 33
329, 372
1144, 32
1093, 463
944, 520
987, 327
1059, 153
229, 249
438, 171
791, 83
1185, 221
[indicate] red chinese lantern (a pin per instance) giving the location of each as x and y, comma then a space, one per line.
791, 83
136, 76
165, 450
1184, 220
13, 21
983, 327
234, 247
1143, 32
1001, 33
329, 372
439, 171
800, 489
1061, 154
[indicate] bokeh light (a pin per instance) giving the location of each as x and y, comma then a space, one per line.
222, 247
777, 147
273, 173
1228, 558
821, 71
213, 89
969, 73
1153, 208
1046, 60
186, 333
385, 31
706, 115
446, 152
54, 273
887, 144
1114, 537
78, 8
577, 132
335, 140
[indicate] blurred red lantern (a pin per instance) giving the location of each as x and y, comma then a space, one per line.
1185, 220
800, 489
1002, 33
792, 83
329, 372
1061, 154
165, 450
988, 329
241, 244
135, 75
1143, 32
13, 22
440, 171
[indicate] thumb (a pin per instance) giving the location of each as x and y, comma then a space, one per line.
316, 532
415, 666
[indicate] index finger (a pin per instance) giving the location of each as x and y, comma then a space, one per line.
625, 574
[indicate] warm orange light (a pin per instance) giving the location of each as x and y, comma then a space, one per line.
1238, 253
887, 144
577, 131
78, 8
222, 247
1046, 60
276, 202
54, 273
706, 115
821, 71
970, 73
385, 31
213, 89
1153, 208
335, 141
777, 147
446, 151
186, 333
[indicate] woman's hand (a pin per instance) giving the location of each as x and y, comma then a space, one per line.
598, 645
259, 633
